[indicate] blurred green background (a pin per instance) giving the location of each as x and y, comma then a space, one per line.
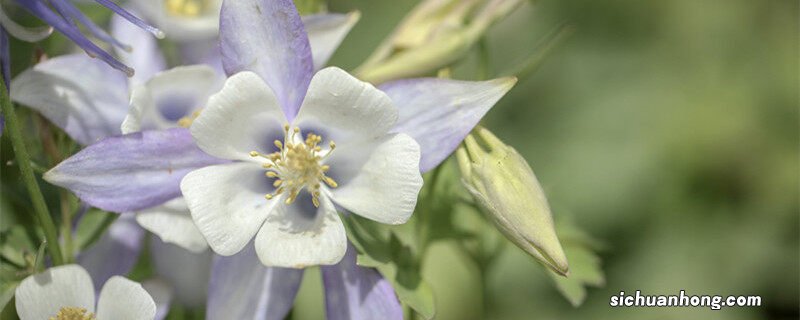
668, 129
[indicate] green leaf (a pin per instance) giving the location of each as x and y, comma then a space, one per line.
584, 264
14, 243
382, 249
7, 293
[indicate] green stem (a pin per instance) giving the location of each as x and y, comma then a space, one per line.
24, 161
543, 50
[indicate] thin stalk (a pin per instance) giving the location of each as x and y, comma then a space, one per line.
543, 50
24, 161
483, 60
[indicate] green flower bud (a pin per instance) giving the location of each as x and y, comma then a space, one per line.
433, 35
504, 186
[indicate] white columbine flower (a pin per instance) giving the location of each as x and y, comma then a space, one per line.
288, 174
66, 293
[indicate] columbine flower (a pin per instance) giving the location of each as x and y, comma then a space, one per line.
66, 293
284, 193
138, 171
64, 17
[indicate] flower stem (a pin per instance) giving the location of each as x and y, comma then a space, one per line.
24, 161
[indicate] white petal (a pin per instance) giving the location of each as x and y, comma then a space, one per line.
173, 223
185, 271
345, 109
123, 299
169, 96
244, 116
161, 294
325, 32
227, 203
40, 296
88, 108
386, 188
299, 235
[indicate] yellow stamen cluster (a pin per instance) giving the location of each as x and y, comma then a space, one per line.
73, 313
297, 165
186, 121
186, 8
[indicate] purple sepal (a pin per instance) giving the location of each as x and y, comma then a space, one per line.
131, 172
243, 288
115, 253
354, 292
268, 38
439, 113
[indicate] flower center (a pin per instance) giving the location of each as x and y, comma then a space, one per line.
186, 8
297, 165
73, 313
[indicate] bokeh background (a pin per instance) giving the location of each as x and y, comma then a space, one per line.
668, 129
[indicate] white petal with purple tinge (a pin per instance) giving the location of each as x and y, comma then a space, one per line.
244, 116
386, 187
173, 223
227, 203
41, 296
123, 299
299, 235
88, 108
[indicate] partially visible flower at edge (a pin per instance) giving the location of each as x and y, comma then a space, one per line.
66, 292
64, 17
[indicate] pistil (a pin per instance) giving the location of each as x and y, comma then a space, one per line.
297, 165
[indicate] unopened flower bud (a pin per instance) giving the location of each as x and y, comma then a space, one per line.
434, 35
504, 186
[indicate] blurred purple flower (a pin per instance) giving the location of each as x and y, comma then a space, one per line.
65, 17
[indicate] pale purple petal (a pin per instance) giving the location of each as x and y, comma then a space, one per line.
5, 69
145, 57
115, 253
185, 271
354, 292
242, 288
5, 60
268, 38
133, 171
79, 94
203, 52
325, 32
439, 113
